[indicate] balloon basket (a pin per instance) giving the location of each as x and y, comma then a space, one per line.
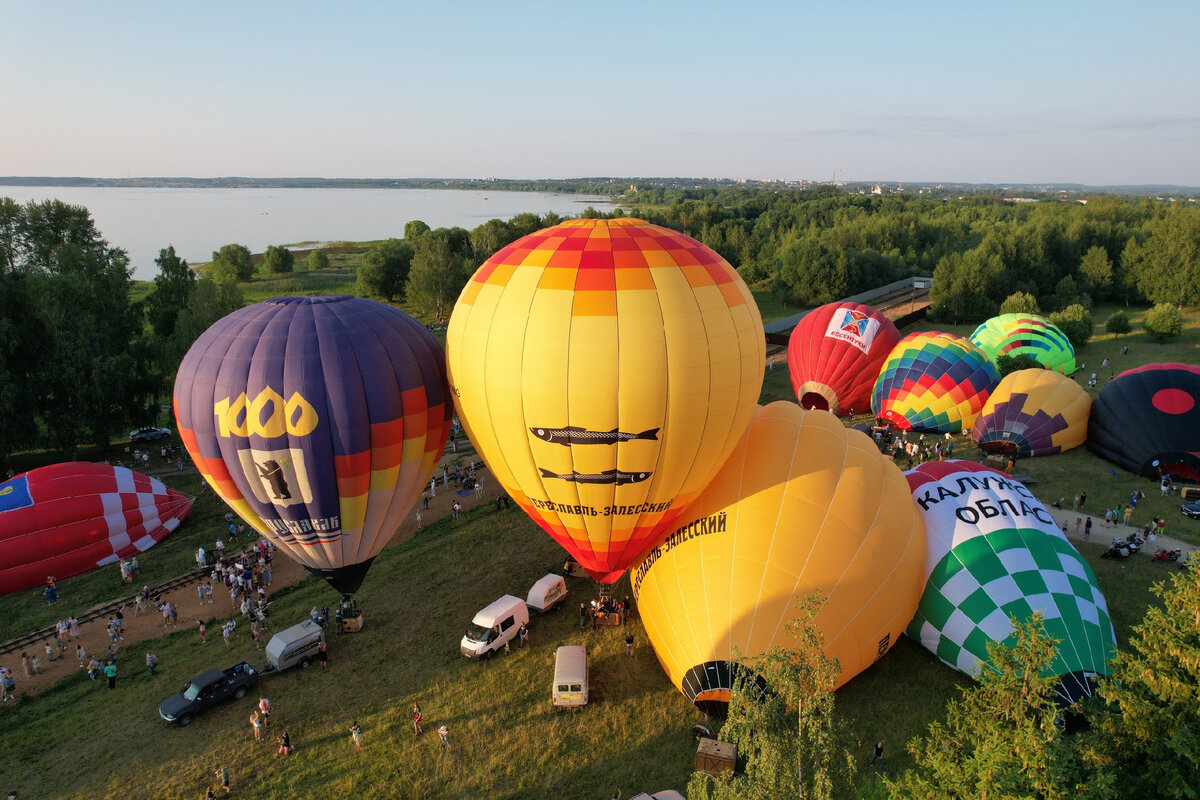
349, 618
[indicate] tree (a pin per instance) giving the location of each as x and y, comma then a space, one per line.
1075, 322
1002, 738
1020, 303
318, 260
1145, 734
1096, 268
414, 229
1118, 323
441, 268
173, 286
783, 722
232, 263
277, 260
210, 301
1006, 364
1168, 262
812, 273
384, 270
1163, 322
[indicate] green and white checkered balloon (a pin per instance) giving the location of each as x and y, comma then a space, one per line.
993, 553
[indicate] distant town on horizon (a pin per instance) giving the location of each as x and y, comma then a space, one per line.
615, 186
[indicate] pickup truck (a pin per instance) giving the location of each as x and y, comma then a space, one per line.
207, 689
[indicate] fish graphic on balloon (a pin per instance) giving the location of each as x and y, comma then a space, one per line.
575, 435
614, 476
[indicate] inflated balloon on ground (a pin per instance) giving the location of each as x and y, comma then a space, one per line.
1147, 420
802, 505
318, 420
995, 552
65, 519
935, 382
834, 355
1026, 335
604, 369
1033, 412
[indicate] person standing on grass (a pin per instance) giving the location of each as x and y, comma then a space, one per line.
223, 775
110, 672
444, 735
416, 718
1087, 529
203, 632
151, 662
264, 708
256, 725
322, 655
629, 643
878, 753
356, 735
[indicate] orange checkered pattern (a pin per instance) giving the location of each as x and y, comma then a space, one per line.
598, 257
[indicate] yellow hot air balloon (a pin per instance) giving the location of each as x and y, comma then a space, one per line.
803, 504
605, 369
1033, 412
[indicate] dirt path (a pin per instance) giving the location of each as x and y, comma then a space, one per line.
147, 626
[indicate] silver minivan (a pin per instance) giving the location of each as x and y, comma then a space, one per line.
570, 688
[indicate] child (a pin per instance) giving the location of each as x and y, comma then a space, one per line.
356, 735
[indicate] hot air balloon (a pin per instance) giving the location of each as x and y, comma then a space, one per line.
933, 381
604, 369
1026, 334
834, 355
318, 420
1147, 420
994, 553
68, 518
802, 504
1033, 412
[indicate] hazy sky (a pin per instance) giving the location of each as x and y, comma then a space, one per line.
1089, 92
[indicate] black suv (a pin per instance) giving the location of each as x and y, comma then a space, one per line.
207, 689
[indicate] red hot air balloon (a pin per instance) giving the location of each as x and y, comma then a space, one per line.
69, 518
835, 353
318, 420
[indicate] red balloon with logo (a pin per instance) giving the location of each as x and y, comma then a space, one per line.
835, 353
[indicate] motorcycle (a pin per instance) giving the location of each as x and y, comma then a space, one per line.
1134, 542
1118, 549
1167, 555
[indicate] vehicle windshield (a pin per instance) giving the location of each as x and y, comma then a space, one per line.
477, 633
191, 691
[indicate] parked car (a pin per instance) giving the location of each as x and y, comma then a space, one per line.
1191, 509
206, 690
570, 687
149, 434
493, 627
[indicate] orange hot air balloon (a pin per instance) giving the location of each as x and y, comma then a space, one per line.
605, 369
802, 504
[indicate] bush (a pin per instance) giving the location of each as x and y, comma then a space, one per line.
318, 260
1118, 323
1020, 303
1007, 364
232, 263
1164, 321
278, 260
1075, 322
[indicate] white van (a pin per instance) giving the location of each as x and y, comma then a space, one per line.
570, 677
547, 593
493, 627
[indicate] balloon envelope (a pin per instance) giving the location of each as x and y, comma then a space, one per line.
65, 519
604, 369
933, 381
1029, 335
803, 504
318, 420
994, 552
835, 353
1033, 412
1147, 420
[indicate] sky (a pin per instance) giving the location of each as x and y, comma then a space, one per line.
1096, 92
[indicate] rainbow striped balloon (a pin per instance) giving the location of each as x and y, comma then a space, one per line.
933, 381
1026, 335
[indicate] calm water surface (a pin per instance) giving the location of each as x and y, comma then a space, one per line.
199, 221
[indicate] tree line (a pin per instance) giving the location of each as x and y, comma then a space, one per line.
821, 244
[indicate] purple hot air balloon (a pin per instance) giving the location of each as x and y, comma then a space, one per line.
318, 420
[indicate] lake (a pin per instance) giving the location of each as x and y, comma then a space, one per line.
198, 221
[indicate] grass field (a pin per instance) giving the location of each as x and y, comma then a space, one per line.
79, 740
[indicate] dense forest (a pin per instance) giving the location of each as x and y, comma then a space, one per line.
81, 359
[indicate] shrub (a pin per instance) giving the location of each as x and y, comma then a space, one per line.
1118, 323
1164, 321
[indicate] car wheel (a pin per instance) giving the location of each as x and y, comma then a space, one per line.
489, 654
185, 720
240, 693
304, 664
